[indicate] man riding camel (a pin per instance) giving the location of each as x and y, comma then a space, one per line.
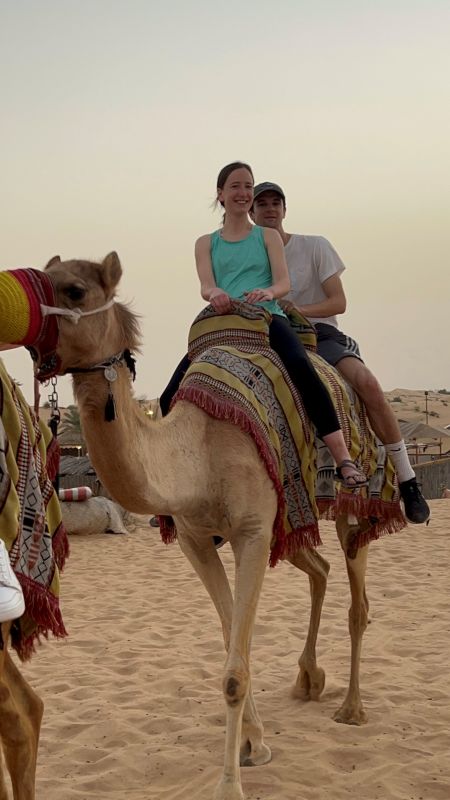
316, 290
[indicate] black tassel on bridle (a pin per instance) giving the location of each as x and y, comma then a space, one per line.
109, 367
110, 408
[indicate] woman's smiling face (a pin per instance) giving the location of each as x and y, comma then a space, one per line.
237, 192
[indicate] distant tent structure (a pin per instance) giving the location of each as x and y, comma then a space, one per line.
71, 444
416, 431
77, 471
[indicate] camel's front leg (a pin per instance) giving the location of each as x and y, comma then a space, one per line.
311, 678
352, 711
253, 752
251, 551
20, 720
209, 568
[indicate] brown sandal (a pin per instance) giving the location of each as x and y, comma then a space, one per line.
354, 481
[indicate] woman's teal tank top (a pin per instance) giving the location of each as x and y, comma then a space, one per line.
239, 267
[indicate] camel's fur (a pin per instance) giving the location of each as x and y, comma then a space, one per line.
20, 720
208, 476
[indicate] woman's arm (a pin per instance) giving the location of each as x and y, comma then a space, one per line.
280, 275
219, 299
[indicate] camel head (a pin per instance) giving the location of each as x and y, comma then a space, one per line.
94, 326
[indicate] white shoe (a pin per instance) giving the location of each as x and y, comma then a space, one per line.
12, 604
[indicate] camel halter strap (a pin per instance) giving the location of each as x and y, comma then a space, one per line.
46, 346
74, 313
109, 367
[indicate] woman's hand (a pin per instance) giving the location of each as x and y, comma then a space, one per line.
220, 301
259, 296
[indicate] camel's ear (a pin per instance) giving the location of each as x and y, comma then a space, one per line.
111, 271
54, 260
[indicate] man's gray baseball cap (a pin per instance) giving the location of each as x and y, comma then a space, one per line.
267, 186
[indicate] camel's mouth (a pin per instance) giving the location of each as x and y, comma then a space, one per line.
44, 344
46, 359
42, 348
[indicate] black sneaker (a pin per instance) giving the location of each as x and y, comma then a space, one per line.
417, 509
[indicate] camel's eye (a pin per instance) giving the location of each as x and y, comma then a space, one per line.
75, 293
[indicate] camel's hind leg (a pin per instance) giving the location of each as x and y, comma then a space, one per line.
20, 721
352, 711
311, 678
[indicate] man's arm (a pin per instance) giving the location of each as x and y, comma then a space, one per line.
281, 282
335, 302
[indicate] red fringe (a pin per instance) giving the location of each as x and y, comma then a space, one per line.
386, 516
222, 409
307, 536
60, 545
43, 609
53, 456
167, 530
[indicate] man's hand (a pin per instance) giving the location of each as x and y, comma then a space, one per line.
287, 306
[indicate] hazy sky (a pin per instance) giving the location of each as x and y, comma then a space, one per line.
117, 116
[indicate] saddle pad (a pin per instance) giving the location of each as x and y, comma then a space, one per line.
235, 376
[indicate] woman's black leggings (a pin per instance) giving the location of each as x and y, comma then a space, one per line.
287, 344
172, 387
314, 393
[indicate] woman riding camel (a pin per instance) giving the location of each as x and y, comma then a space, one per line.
245, 262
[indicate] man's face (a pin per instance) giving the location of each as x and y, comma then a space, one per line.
268, 210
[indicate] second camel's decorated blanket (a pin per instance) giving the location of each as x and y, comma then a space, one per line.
235, 376
30, 516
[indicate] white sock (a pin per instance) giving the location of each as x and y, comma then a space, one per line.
399, 456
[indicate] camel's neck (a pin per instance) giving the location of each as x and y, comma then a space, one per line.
130, 454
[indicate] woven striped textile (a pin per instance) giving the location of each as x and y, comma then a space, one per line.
235, 376
30, 517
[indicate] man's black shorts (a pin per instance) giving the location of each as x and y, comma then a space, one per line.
333, 345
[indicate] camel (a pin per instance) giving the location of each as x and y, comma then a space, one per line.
20, 721
21, 709
94, 515
206, 474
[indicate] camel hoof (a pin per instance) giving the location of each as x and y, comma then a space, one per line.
351, 716
309, 685
254, 757
228, 791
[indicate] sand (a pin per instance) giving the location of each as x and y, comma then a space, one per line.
133, 704
411, 404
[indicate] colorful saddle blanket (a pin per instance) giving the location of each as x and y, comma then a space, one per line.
30, 516
234, 375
